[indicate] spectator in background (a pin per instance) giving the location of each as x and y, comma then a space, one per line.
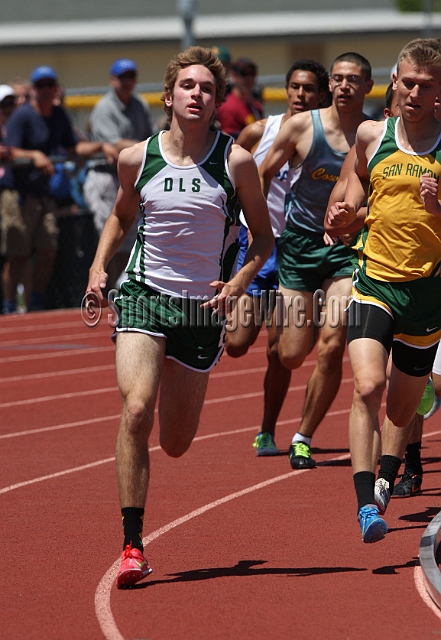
21, 91
240, 107
122, 118
7, 106
224, 56
34, 132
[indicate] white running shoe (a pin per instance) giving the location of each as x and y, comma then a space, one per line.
382, 495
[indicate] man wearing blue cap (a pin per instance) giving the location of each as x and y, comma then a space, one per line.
35, 131
122, 118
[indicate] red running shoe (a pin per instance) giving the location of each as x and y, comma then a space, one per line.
134, 567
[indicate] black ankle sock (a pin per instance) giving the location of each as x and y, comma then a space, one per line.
364, 482
412, 459
132, 523
389, 467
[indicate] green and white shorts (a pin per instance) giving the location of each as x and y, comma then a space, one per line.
195, 337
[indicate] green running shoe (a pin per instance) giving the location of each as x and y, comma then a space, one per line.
265, 445
428, 399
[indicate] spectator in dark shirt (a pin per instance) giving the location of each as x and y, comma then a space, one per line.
34, 132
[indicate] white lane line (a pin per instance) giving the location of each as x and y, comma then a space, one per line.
102, 595
50, 476
80, 351
41, 327
81, 423
35, 316
257, 394
107, 367
58, 474
209, 436
56, 374
69, 337
157, 448
67, 425
63, 396
421, 588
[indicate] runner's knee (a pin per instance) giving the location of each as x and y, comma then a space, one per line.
291, 359
136, 414
369, 389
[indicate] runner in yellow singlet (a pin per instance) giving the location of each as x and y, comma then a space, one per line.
397, 285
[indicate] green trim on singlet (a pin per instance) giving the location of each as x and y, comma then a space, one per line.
215, 166
388, 145
155, 162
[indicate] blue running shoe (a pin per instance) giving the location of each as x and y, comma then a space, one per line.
373, 528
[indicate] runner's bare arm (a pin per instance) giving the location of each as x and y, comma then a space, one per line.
244, 173
344, 212
283, 149
332, 228
250, 137
121, 218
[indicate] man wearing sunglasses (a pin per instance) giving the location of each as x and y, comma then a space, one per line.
35, 132
314, 279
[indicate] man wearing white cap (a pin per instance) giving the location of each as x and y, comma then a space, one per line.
122, 118
35, 131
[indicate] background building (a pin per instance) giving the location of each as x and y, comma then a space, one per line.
80, 38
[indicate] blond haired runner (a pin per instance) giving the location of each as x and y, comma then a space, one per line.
396, 287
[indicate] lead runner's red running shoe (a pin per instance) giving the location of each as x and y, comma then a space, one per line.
134, 567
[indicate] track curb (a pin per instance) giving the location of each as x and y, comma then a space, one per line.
429, 543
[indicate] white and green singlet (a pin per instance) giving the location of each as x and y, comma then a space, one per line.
186, 238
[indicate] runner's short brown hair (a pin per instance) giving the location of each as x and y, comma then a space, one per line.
187, 58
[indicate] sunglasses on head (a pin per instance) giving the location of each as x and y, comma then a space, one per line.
45, 84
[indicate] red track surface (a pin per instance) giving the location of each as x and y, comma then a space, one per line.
241, 547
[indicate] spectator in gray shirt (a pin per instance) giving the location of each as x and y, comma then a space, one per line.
122, 118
